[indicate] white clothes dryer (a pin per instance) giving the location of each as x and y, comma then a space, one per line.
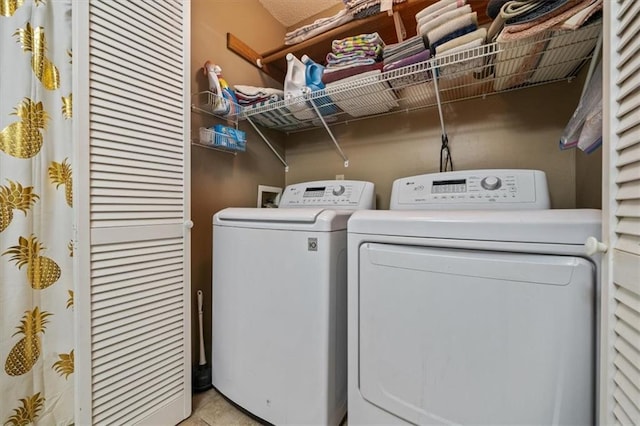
279, 303
470, 316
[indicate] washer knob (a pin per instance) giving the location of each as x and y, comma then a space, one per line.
491, 183
339, 190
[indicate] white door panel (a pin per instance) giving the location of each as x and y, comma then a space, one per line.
133, 298
436, 345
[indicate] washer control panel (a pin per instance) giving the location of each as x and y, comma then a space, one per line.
338, 194
473, 189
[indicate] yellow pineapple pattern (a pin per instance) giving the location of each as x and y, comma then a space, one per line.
26, 352
14, 197
23, 139
60, 174
33, 40
28, 412
41, 271
70, 299
70, 248
9, 7
65, 365
67, 106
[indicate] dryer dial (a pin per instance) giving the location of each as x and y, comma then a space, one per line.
338, 190
491, 183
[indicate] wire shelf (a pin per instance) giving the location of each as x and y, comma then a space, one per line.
216, 105
498, 67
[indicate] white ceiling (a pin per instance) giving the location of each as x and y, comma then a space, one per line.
290, 12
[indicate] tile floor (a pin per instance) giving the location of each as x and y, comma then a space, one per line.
211, 409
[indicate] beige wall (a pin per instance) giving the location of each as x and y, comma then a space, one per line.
589, 179
518, 129
220, 180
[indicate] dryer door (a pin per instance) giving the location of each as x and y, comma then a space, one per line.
472, 337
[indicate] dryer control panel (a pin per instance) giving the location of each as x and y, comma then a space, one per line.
337, 194
502, 189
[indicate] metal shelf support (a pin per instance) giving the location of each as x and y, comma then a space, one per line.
335, 142
264, 138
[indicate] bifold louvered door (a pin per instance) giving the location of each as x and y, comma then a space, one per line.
620, 389
133, 225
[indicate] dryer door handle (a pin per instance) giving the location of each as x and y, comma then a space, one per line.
593, 246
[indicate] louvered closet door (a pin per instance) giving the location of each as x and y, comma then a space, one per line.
134, 334
620, 402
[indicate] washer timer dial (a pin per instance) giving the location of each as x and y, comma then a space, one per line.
491, 183
338, 190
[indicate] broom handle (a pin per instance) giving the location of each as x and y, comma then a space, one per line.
203, 357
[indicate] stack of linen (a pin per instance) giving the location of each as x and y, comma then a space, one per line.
411, 53
251, 95
362, 8
408, 52
350, 56
448, 27
530, 32
319, 26
358, 59
514, 20
445, 21
256, 98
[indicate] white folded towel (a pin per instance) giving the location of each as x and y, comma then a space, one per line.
430, 24
437, 6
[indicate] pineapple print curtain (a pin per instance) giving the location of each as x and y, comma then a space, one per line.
36, 217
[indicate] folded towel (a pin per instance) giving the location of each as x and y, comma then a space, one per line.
435, 7
558, 16
435, 46
350, 62
410, 43
515, 8
432, 24
580, 18
355, 52
333, 74
493, 8
361, 39
473, 39
456, 27
413, 59
318, 27
428, 18
404, 50
539, 9
252, 90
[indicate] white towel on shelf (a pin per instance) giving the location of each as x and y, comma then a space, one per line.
451, 26
318, 27
431, 24
438, 6
258, 91
465, 42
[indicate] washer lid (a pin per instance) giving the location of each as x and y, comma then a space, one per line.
308, 219
535, 226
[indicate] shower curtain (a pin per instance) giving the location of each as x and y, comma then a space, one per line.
36, 213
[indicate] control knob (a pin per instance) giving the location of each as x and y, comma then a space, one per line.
491, 183
338, 190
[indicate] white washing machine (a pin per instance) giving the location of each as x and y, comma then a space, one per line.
279, 303
459, 315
